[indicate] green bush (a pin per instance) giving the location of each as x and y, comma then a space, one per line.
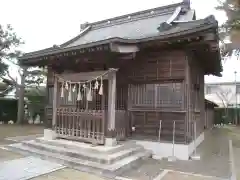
8, 110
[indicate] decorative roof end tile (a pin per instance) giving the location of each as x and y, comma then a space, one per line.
84, 26
164, 26
56, 46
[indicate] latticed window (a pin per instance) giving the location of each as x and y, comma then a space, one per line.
165, 95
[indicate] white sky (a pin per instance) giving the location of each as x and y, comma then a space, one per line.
42, 23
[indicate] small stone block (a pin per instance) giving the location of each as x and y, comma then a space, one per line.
195, 157
156, 157
49, 134
172, 159
110, 142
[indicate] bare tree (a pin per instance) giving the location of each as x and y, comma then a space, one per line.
225, 95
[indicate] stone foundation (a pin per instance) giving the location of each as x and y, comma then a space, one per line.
164, 150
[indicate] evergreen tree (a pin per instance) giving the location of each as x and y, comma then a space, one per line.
231, 28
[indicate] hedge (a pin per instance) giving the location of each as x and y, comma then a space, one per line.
226, 116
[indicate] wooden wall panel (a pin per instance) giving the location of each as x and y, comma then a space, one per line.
147, 124
157, 66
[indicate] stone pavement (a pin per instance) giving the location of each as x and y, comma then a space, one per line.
26, 168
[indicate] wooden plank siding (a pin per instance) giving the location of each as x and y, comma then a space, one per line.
157, 93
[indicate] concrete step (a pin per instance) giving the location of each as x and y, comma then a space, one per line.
83, 165
83, 154
87, 147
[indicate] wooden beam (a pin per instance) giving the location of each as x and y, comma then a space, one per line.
83, 76
123, 48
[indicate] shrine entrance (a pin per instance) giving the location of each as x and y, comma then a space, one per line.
85, 106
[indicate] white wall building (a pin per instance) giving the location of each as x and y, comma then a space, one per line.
225, 94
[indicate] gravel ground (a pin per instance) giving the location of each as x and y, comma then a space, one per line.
214, 160
146, 170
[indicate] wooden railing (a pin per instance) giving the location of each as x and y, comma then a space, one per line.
80, 125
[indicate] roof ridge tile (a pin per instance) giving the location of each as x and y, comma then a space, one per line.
162, 10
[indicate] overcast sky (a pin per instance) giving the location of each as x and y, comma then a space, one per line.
42, 23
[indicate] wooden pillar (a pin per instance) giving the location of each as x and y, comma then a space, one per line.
111, 131
188, 100
49, 133
55, 98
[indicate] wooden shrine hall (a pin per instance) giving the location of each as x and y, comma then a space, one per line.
134, 77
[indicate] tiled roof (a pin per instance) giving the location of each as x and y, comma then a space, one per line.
133, 28
129, 30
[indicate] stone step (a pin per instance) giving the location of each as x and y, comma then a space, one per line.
83, 154
106, 170
87, 147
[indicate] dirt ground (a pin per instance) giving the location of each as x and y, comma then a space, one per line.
10, 130
180, 176
15, 131
67, 174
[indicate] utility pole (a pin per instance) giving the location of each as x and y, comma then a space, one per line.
236, 104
